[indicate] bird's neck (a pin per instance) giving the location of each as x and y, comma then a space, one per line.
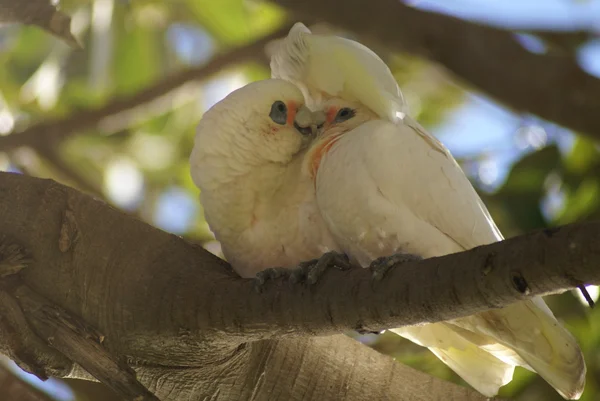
314, 156
252, 195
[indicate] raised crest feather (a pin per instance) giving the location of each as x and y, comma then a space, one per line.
331, 66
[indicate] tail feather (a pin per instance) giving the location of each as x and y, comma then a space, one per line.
480, 369
534, 334
484, 372
490, 345
483, 349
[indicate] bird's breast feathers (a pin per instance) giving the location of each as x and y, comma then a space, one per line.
316, 153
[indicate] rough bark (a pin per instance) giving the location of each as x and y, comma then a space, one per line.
552, 85
192, 328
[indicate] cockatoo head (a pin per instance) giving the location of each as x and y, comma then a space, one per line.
324, 66
339, 116
336, 117
264, 121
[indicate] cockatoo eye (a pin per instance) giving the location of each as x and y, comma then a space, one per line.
344, 114
278, 112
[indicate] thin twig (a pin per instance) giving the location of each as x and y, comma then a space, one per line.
586, 295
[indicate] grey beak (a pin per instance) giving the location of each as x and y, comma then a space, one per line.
319, 118
307, 122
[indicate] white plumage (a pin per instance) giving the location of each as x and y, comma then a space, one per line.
407, 196
357, 74
386, 185
256, 201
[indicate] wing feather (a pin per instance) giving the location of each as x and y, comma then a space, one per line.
412, 190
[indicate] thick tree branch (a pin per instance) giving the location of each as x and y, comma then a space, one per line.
436, 289
133, 283
451, 286
491, 59
177, 312
56, 130
195, 287
82, 344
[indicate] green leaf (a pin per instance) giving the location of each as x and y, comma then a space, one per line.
234, 22
583, 155
582, 203
138, 57
256, 72
523, 189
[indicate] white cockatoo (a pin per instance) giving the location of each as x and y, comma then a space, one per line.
385, 186
246, 160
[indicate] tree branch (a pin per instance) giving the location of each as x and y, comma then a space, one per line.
168, 304
157, 300
82, 345
488, 277
56, 130
42, 13
451, 286
491, 59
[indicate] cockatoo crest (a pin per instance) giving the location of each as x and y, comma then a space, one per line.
331, 66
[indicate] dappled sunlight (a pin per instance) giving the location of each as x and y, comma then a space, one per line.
531, 43
589, 57
175, 210
45, 85
153, 152
7, 121
533, 136
216, 89
124, 183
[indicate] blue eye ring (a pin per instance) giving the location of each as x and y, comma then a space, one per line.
279, 112
344, 114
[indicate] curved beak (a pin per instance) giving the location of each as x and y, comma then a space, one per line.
307, 122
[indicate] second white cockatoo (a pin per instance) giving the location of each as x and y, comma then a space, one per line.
246, 160
385, 186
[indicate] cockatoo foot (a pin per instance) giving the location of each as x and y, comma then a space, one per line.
312, 270
382, 265
270, 274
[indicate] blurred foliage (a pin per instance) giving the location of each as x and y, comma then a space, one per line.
138, 160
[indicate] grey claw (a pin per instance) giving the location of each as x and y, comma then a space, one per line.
314, 269
269, 274
382, 265
299, 274
309, 271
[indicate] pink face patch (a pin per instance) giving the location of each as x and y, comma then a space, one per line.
330, 114
319, 151
292, 108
